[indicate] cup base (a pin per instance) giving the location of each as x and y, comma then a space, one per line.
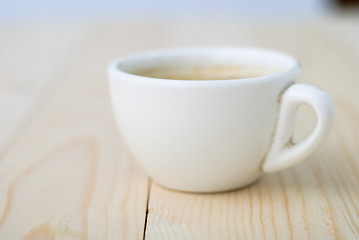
208, 190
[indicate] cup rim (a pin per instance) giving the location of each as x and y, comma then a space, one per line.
293, 69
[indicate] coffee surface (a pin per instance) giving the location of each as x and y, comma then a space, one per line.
207, 72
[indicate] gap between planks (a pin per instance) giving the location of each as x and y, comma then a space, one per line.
149, 184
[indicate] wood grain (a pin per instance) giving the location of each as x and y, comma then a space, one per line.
30, 70
318, 198
66, 174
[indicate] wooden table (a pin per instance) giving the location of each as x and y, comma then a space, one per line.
65, 174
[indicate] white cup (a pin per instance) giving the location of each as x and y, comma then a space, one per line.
214, 135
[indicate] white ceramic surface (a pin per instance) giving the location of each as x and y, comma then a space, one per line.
209, 136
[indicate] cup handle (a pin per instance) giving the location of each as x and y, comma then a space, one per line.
283, 152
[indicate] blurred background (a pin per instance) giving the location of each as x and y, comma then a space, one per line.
20, 11
52, 40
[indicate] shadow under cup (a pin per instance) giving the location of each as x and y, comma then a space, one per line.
200, 119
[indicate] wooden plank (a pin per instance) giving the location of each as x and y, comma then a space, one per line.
33, 60
67, 175
316, 199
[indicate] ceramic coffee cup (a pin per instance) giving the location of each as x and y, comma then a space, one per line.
213, 119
